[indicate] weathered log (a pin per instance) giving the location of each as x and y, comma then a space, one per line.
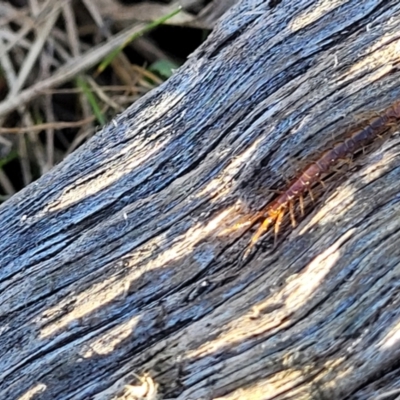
116, 264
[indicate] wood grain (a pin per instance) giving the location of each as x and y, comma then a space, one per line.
113, 264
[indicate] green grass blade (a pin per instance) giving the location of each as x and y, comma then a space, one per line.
147, 28
91, 99
12, 155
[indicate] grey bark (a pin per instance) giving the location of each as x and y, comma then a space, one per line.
118, 263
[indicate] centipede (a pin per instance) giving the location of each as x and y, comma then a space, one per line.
274, 212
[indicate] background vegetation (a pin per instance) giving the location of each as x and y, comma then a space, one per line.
68, 67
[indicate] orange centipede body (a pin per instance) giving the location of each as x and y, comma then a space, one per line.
274, 212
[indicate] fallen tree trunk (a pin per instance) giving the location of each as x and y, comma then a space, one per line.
118, 263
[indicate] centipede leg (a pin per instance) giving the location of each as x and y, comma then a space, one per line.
301, 201
311, 195
278, 223
291, 211
261, 230
349, 160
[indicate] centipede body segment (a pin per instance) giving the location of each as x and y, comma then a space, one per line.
274, 212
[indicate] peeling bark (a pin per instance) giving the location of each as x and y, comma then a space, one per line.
115, 264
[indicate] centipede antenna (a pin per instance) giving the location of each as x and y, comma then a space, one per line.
247, 251
244, 222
